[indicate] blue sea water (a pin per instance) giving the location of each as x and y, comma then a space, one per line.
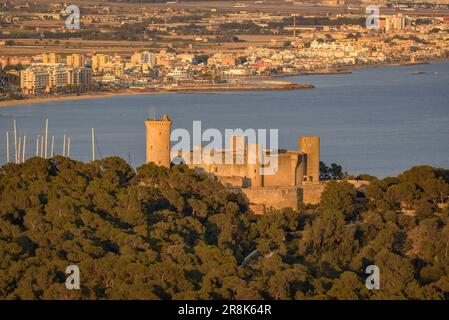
380, 121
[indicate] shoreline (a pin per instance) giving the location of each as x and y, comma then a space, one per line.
211, 88
261, 86
31, 101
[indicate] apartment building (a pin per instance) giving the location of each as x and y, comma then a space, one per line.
57, 77
145, 57
51, 58
76, 60
40, 78
99, 61
79, 76
33, 80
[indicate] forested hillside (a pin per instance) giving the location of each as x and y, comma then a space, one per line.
159, 233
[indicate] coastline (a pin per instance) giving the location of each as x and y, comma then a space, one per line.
260, 86
242, 86
11, 103
212, 88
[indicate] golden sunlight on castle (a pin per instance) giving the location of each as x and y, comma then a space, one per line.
296, 179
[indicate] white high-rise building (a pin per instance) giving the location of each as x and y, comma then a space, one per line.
43, 77
34, 80
149, 58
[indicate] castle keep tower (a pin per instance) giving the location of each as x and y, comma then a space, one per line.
158, 141
254, 165
310, 145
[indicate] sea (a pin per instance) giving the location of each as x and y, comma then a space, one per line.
381, 121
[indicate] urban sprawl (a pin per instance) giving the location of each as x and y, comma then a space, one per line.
183, 47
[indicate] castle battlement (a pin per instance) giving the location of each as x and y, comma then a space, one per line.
158, 122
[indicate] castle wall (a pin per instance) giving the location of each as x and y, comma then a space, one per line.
291, 170
311, 193
301, 169
283, 176
276, 197
234, 181
254, 165
230, 170
263, 198
294, 167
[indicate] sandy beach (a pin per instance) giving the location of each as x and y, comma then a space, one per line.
262, 86
10, 103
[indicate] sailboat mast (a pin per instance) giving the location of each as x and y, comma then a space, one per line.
24, 149
46, 137
68, 147
15, 141
7, 147
63, 146
37, 146
93, 144
18, 150
52, 146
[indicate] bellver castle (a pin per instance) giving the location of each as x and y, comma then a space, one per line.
296, 180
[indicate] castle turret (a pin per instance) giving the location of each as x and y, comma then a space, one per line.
238, 149
253, 165
158, 141
310, 145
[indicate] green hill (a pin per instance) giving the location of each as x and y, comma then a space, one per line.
158, 233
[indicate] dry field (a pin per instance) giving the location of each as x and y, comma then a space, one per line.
179, 43
278, 6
